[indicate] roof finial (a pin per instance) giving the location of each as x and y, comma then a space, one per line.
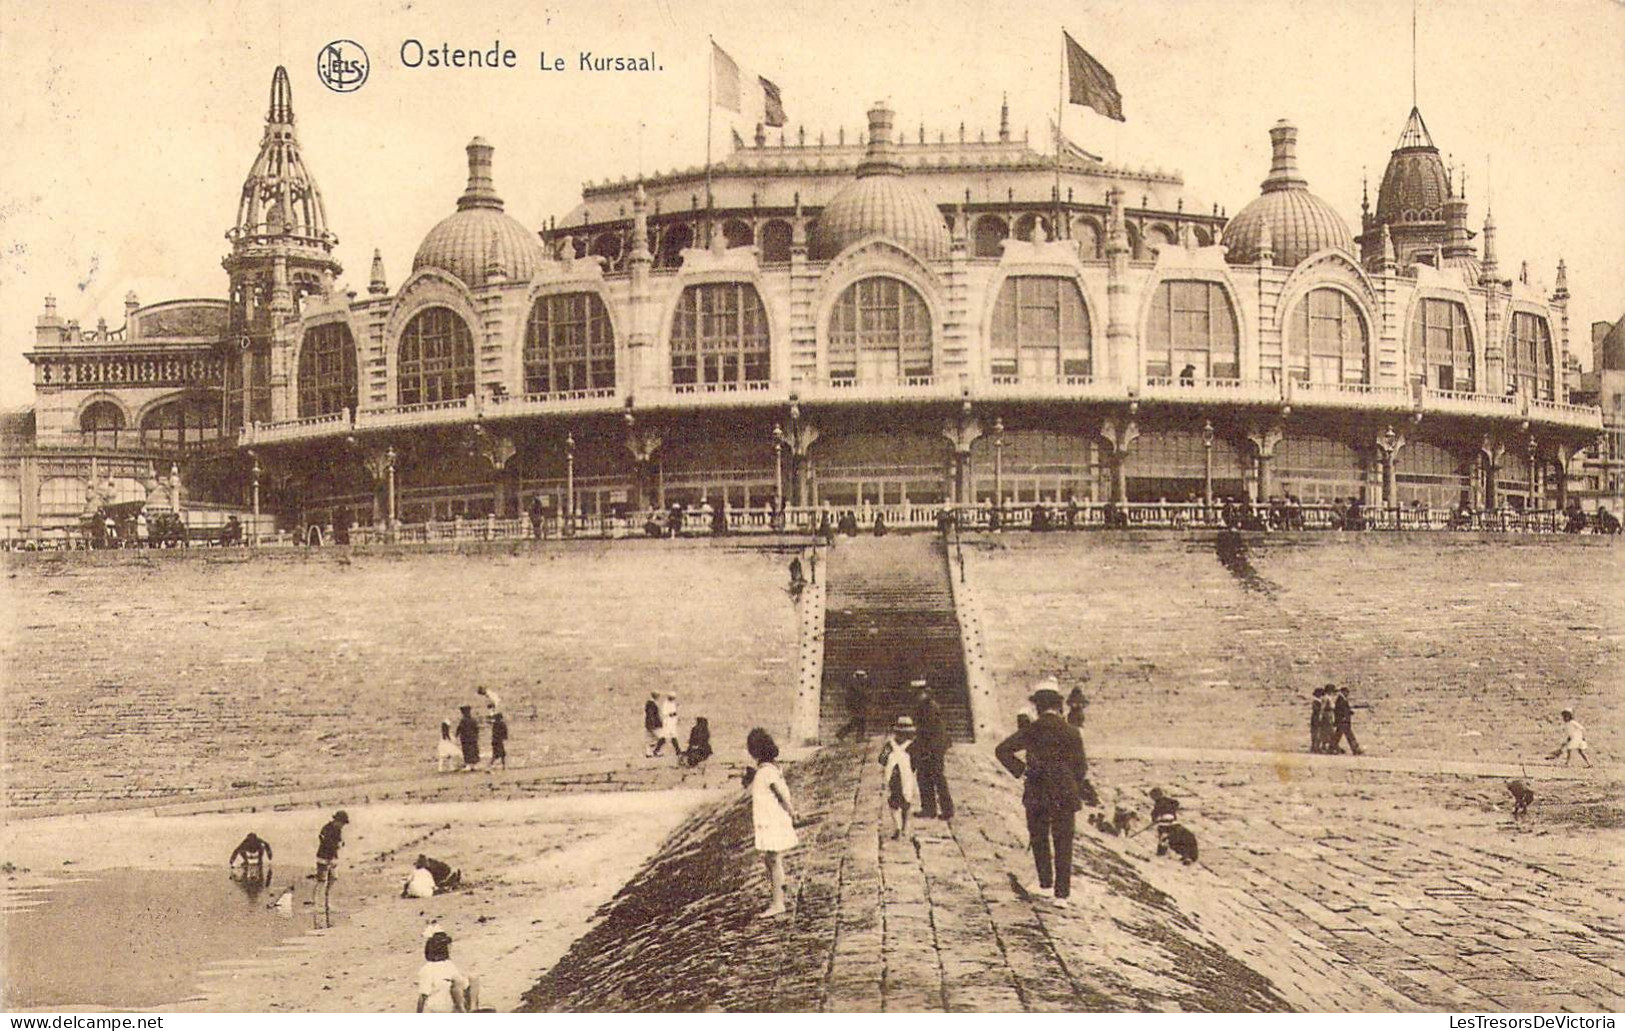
1562, 292
281, 98
1413, 53
376, 284
481, 191
1284, 160
1004, 119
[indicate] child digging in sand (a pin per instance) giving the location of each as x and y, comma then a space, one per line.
902, 790
772, 812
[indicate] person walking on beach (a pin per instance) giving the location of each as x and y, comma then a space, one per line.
1316, 743
1055, 771
1075, 704
931, 755
328, 843
499, 742
468, 735
1575, 742
902, 790
668, 725
1328, 721
445, 750
651, 726
772, 812
1343, 722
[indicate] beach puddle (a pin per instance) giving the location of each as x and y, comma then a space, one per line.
128, 939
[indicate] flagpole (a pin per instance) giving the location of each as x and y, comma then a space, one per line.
1060, 109
710, 103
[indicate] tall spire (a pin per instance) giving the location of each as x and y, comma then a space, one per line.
1492, 268
281, 98
1004, 119
280, 198
376, 284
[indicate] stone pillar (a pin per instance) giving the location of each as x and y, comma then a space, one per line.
1120, 433
803, 436
642, 443
1388, 445
1492, 452
962, 433
1564, 455
1120, 356
1264, 439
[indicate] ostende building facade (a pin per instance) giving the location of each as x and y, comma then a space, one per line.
896, 322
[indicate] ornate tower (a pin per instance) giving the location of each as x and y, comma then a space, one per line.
281, 252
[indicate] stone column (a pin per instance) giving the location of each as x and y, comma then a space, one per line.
1388, 445
803, 436
962, 434
1264, 439
1492, 451
642, 443
1120, 433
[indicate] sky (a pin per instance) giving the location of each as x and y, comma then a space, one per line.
130, 127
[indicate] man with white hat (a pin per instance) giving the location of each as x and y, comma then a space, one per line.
1055, 772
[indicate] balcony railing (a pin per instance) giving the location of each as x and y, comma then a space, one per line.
1245, 391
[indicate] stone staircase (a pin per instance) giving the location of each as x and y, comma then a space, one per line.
890, 612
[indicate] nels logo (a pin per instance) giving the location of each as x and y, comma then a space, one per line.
342, 66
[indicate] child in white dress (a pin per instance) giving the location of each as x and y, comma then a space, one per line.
772, 812
446, 752
902, 789
1575, 742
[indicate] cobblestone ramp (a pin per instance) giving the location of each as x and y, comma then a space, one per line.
936, 924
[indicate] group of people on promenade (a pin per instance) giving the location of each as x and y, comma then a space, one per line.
661, 726
1331, 721
463, 752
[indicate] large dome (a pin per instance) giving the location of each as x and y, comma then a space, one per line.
1294, 222
480, 235
881, 201
1414, 187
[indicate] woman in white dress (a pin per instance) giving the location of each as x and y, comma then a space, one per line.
902, 789
772, 811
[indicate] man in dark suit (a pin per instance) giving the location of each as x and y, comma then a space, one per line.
1055, 770
930, 755
1343, 727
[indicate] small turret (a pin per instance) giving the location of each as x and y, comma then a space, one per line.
1561, 294
640, 228
1004, 119
376, 285
1492, 268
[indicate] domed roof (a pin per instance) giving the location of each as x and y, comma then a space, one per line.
479, 237
1414, 187
1292, 222
881, 202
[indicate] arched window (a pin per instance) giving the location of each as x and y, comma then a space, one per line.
1441, 345
673, 241
1159, 237
190, 420
738, 233
719, 335
990, 235
1040, 330
327, 381
101, 424
879, 331
1529, 357
1088, 236
436, 358
776, 242
569, 344
1026, 225
1326, 339
1192, 325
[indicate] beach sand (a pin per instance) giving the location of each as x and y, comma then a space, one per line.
535, 870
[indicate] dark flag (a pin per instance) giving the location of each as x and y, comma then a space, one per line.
1089, 83
772, 104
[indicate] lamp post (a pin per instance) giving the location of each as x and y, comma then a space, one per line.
998, 466
1207, 467
1390, 444
389, 466
778, 470
1534, 447
570, 483
254, 537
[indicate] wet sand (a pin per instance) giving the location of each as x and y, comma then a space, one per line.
535, 870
